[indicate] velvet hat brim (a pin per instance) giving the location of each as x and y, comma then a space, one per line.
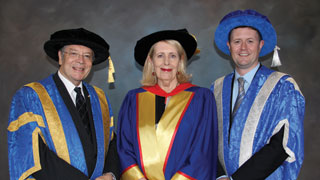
143, 46
79, 36
248, 18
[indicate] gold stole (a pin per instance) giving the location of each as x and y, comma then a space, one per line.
106, 120
53, 120
155, 144
54, 125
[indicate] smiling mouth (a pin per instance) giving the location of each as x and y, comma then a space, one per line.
166, 70
78, 69
244, 54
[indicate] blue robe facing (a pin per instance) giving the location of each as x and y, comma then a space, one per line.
183, 145
272, 101
38, 109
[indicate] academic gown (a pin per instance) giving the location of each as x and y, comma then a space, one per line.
272, 103
39, 110
183, 145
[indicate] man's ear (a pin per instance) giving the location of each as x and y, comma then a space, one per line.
60, 57
228, 44
261, 44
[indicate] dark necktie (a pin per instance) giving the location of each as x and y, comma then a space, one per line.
240, 96
82, 109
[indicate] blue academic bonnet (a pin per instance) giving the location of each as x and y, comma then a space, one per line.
248, 18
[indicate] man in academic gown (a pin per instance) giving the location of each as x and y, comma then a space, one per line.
260, 111
62, 127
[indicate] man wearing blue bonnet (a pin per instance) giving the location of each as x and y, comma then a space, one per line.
260, 111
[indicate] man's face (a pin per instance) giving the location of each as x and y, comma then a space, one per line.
245, 46
75, 62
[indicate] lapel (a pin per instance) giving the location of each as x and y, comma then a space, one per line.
68, 101
88, 103
89, 146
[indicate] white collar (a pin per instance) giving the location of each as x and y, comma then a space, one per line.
69, 85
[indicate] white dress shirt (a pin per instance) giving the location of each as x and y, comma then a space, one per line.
70, 87
248, 77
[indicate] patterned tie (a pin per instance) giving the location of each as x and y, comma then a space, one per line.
82, 109
240, 96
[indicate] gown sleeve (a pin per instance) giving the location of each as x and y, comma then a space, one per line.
126, 137
284, 153
112, 159
52, 167
201, 163
265, 161
28, 154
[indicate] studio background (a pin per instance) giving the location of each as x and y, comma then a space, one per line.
26, 25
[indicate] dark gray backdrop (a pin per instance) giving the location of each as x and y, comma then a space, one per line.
26, 25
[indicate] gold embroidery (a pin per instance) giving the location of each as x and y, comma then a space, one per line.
25, 118
36, 158
53, 120
105, 116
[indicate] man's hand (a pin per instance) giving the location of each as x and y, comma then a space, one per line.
107, 176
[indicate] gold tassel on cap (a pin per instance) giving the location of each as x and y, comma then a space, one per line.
111, 71
197, 51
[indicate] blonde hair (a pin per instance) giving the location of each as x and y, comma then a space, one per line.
148, 79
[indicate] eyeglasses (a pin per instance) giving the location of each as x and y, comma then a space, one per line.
76, 55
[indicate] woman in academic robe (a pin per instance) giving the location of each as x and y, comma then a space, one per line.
167, 129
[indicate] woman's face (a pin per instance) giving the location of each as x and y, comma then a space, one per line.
165, 60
